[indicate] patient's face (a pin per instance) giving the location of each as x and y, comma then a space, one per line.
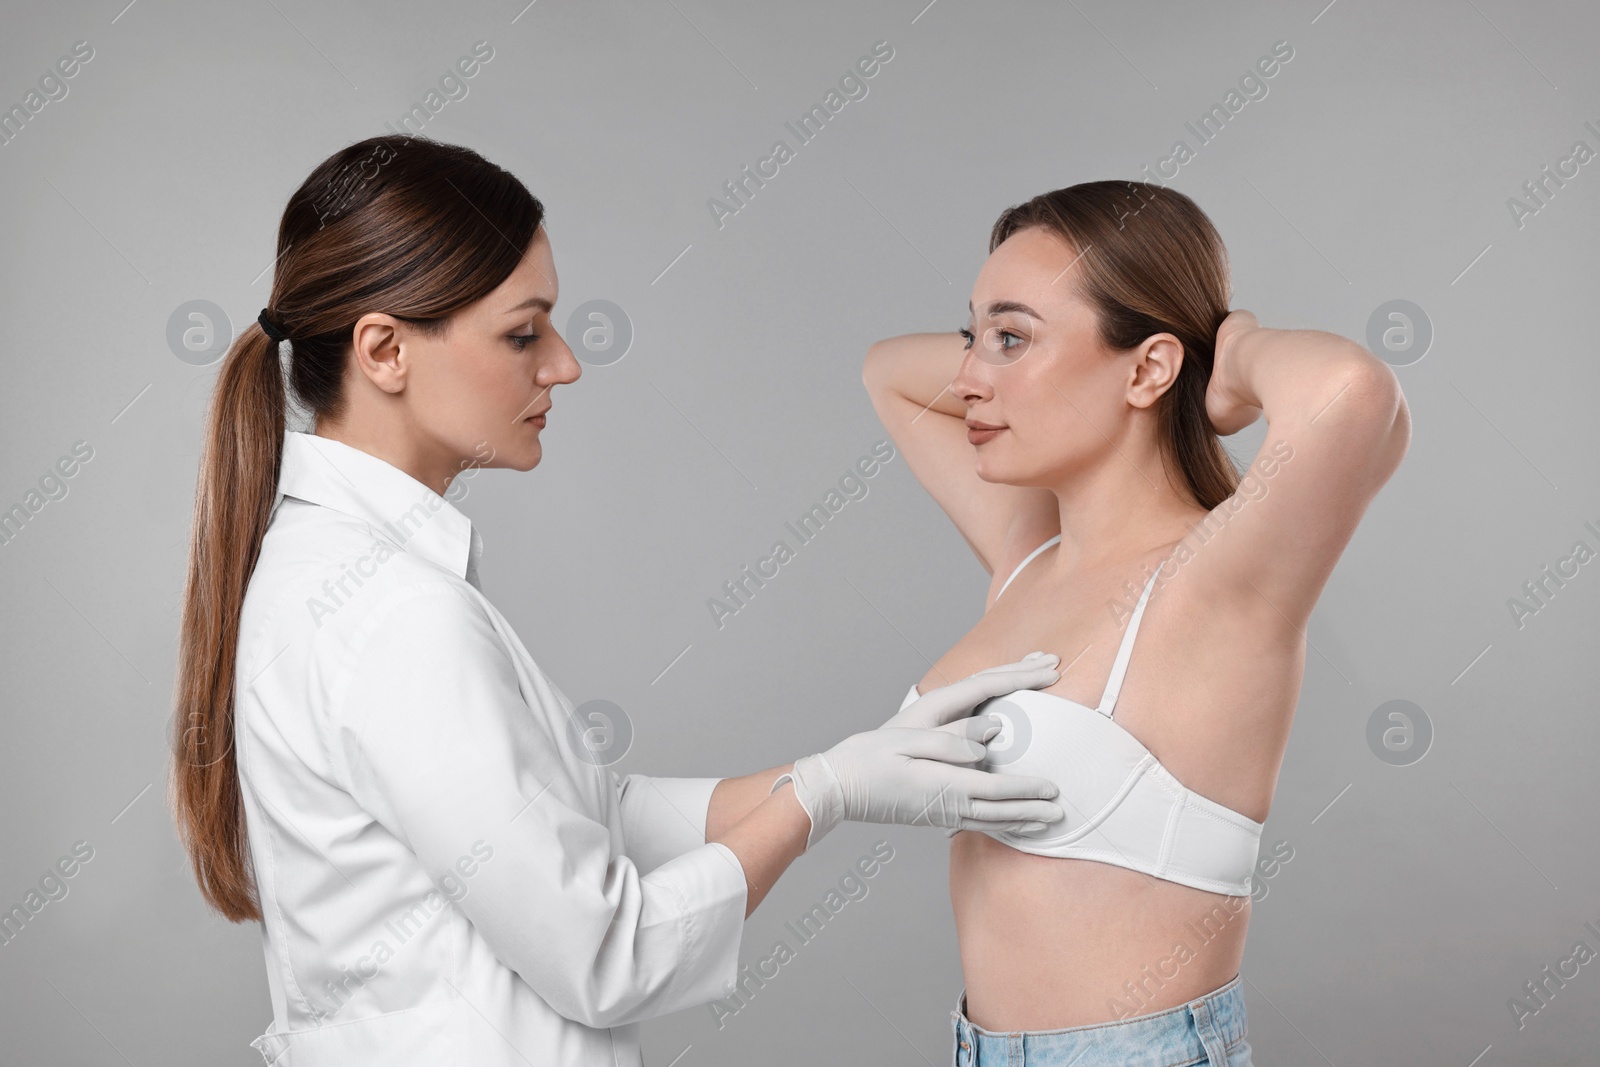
1035, 365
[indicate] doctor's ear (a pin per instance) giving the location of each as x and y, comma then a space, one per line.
1156, 365
379, 352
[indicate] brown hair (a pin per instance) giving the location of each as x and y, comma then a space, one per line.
402, 225
1151, 262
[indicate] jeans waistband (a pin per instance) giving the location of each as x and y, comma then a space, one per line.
1205, 1026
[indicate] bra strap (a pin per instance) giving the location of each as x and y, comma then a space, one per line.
1108, 699
1027, 560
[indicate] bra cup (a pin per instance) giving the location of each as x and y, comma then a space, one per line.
1122, 806
1093, 761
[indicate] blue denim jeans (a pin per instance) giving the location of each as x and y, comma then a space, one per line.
1208, 1030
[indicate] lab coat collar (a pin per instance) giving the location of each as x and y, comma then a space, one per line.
333, 474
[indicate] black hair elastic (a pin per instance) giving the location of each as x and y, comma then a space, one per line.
270, 328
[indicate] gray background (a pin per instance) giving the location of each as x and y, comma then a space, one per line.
1420, 898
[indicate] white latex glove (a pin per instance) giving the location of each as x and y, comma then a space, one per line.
912, 769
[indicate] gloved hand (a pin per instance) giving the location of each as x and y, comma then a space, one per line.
909, 770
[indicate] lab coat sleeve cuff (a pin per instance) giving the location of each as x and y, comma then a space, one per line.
663, 818
710, 886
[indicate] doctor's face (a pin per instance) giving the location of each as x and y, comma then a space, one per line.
481, 392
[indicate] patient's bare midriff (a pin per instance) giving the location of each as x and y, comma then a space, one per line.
1048, 943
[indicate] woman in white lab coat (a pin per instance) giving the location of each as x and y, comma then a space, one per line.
366, 759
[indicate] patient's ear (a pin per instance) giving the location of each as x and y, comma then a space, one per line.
1156, 364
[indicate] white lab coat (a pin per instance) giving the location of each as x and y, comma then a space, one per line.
447, 877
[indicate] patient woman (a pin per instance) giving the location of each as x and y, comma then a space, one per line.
1071, 433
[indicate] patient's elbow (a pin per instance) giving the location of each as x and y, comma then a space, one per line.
872, 366
1371, 416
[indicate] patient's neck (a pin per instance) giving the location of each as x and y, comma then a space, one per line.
1116, 512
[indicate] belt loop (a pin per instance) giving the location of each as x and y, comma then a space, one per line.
963, 1035
1205, 1026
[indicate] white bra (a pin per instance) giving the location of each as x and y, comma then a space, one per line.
1123, 807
